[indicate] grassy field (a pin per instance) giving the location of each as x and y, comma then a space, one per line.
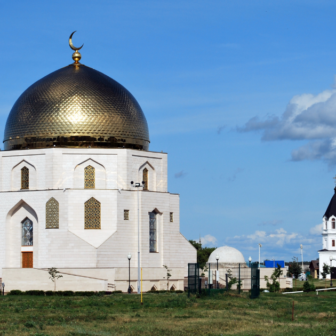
169, 314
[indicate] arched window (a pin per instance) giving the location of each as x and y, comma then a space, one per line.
89, 176
333, 223
152, 232
27, 232
24, 178
333, 242
52, 214
92, 214
145, 178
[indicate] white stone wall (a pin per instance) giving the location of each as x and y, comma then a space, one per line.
59, 173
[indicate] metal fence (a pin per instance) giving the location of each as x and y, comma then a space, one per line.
193, 279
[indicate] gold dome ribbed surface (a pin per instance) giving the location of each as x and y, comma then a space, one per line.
76, 106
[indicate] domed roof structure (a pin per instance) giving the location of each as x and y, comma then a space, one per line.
227, 255
76, 106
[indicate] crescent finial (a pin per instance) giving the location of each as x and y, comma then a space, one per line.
71, 45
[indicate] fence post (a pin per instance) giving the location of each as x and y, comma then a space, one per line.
239, 283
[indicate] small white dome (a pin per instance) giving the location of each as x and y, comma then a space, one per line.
227, 255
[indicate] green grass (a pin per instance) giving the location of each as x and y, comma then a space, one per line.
317, 282
169, 314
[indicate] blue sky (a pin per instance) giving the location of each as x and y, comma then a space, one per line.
241, 94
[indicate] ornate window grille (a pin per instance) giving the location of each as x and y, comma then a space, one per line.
171, 217
52, 214
27, 232
24, 178
145, 178
152, 232
126, 214
89, 175
92, 214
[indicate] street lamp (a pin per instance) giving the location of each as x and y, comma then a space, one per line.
331, 258
217, 277
129, 257
259, 254
301, 247
250, 259
138, 185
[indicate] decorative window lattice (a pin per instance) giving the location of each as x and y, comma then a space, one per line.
92, 214
171, 217
24, 178
145, 178
89, 173
27, 232
152, 232
52, 214
126, 214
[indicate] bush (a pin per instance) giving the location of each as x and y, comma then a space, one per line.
85, 293
307, 287
116, 292
179, 291
49, 293
35, 292
68, 293
15, 292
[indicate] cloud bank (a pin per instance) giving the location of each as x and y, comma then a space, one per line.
308, 117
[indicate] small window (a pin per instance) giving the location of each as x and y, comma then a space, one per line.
126, 214
52, 214
92, 214
89, 176
171, 217
24, 178
333, 223
333, 243
145, 178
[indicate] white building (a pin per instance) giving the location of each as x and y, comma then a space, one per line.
328, 238
74, 142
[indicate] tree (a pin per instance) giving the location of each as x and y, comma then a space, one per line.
168, 275
232, 280
54, 276
294, 268
203, 253
275, 285
326, 270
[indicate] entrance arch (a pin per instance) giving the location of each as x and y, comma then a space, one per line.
15, 250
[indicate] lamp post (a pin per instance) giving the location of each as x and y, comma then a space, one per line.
138, 185
250, 259
259, 254
129, 257
301, 247
331, 258
217, 276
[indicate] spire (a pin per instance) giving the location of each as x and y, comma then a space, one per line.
76, 56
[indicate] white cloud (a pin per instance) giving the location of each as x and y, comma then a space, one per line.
316, 230
307, 117
208, 239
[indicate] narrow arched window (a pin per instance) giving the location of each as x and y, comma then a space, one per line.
333, 242
92, 214
152, 232
52, 214
333, 223
145, 178
27, 232
24, 178
89, 176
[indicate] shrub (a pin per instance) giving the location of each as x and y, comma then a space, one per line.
307, 287
29, 324
35, 292
15, 292
85, 293
49, 293
68, 293
116, 292
179, 291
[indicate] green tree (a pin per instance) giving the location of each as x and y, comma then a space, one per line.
203, 253
168, 275
294, 268
275, 285
54, 276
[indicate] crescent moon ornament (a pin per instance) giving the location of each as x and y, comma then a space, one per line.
71, 45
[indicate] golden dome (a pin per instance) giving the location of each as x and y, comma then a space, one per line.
76, 106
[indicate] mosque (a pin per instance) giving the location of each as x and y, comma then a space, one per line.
81, 192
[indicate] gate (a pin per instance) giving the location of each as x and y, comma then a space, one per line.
193, 279
255, 280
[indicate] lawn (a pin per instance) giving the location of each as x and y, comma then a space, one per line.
169, 314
